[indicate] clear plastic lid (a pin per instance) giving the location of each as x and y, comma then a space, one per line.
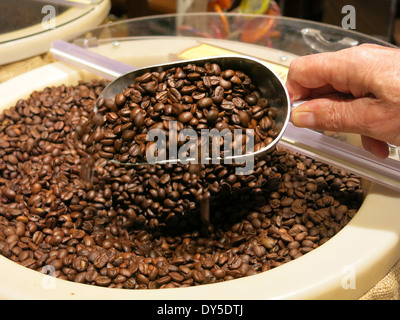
27, 27
294, 36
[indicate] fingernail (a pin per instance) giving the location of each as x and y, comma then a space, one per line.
294, 96
303, 119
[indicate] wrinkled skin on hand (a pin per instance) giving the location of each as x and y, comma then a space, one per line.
354, 90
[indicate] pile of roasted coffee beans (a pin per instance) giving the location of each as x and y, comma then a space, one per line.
139, 227
195, 97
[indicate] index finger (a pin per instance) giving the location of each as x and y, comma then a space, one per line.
343, 71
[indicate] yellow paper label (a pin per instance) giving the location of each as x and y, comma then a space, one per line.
206, 50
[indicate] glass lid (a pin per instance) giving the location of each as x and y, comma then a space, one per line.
25, 18
28, 27
23, 14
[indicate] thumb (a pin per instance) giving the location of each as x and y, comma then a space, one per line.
355, 116
339, 115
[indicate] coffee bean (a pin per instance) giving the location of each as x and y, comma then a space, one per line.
185, 117
127, 135
120, 99
111, 117
205, 103
9, 193
227, 74
80, 263
102, 281
212, 115
101, 260
265, 123
150, 87
139, 119
244, 118
218, 95
221, 125
234, 262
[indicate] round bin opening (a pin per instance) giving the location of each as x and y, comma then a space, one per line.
295, 221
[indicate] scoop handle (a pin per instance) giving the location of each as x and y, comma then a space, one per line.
342, 155
89, 60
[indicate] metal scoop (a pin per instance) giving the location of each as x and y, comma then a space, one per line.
267, 83
308, 142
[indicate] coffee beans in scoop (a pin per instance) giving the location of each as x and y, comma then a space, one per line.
192, 97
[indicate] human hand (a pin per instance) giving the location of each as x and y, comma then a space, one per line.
354, 90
